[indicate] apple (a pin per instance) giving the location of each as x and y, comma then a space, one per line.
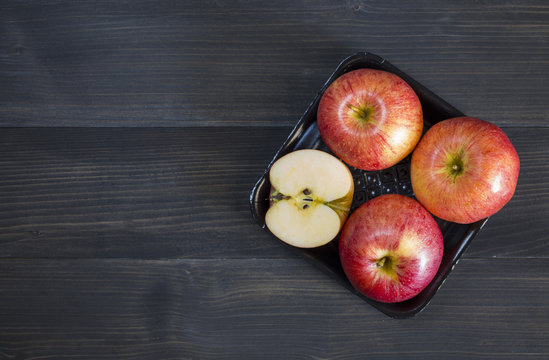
310, 198
371, 119
464, 169
390, 248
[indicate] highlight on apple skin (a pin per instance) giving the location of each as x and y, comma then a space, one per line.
371, 119
310, 198
464, 169
390, 248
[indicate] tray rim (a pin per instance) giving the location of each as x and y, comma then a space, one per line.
294, 135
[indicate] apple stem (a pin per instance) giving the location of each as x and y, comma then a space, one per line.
358, 110
381, 262
455, 167
279, 196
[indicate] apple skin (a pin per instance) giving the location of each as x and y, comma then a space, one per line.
484, 174
371, 119
390, 248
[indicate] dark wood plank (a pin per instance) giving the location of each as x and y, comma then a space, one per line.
268, 309
183, 193
139, 192
188, 63
123, 240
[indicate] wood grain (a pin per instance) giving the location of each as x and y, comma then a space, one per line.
195, 63
147, 193
268, 309
132, 132
183, 193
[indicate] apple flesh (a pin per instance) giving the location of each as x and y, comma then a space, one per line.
310, 199
390, 248
371, 119
464, 169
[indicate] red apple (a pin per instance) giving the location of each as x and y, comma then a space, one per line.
464, 169
369, 118
390, 248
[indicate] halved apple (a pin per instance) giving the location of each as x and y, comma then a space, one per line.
311, 196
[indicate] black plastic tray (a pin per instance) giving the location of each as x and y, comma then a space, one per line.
368, 185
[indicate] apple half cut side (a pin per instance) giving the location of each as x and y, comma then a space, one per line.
310, 199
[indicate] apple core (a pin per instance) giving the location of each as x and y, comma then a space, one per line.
311, 195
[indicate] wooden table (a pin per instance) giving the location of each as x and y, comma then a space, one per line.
133, 132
